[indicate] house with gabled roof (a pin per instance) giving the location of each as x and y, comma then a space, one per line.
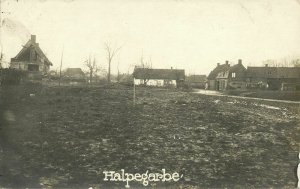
212, 77
31, 58
232, 78
74, 75
158, 77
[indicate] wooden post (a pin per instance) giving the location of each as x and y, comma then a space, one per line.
133, 92
61, 61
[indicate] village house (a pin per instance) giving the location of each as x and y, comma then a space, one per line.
274, 78
196, 81
31, 59
158, 77
74, 75
212, 83
233, 77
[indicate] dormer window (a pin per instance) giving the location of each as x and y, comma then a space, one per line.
233, 74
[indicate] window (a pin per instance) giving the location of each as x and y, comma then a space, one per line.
33, 67
233, 75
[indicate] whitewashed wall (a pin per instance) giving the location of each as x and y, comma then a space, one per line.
153, 82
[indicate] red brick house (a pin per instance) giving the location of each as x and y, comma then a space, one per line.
212, 77
234, 77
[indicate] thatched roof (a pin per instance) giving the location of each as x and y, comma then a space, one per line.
74, 72
220, 68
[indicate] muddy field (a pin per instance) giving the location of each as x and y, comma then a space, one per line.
66, 137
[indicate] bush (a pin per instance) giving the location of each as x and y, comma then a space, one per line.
10, 76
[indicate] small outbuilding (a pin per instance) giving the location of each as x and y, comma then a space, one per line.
74, 75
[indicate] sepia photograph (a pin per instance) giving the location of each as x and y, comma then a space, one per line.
170, 94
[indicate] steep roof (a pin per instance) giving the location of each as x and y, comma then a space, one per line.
147, 73
32, 44
73, 72
235, 68
273, 72
220, 68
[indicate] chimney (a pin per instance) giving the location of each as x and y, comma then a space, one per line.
33, 38
218, 64
266, 65
171, 68
226, 62
240, 61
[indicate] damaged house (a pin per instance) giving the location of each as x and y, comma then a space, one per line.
31, 59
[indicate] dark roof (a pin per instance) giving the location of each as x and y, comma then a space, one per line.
147, 73
235, 68
32, 43
73, 72
220, 68
273, 72
196, 78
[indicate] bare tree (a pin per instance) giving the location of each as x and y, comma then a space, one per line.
287, 61
145, 65
296, 63
111, 52
92, 66
118, 76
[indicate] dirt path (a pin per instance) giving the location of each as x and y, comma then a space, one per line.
216, 93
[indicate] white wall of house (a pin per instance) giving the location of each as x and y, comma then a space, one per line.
24, 66
18, 65
155, 82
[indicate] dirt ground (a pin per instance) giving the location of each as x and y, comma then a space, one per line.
55, 137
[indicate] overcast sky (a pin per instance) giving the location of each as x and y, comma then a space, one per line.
190, 35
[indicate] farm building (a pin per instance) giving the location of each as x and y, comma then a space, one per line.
212, 77
158, 77
32, 59
274, 78
74, 74
232, 78
196, 81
